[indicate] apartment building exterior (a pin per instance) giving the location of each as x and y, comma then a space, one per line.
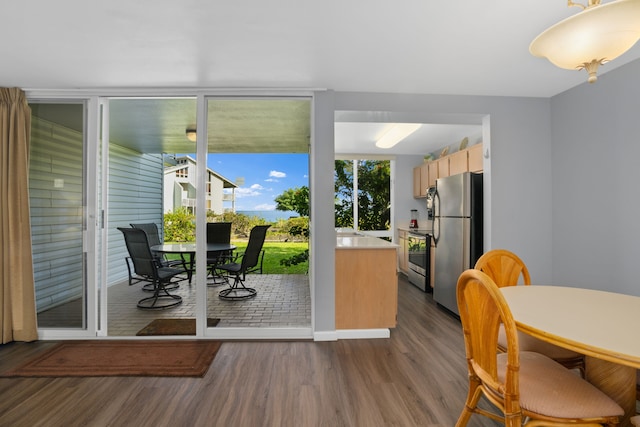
180, 188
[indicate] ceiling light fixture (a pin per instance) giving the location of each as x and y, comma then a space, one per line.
598, 34
396, 133
191, 134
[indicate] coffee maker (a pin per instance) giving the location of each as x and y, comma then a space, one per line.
414, 219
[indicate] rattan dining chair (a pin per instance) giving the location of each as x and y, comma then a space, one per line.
507, 269
530, 389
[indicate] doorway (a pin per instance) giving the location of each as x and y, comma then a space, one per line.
251, 148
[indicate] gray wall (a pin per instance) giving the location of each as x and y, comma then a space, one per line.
403, 200
323, 238
517, 172
595, 154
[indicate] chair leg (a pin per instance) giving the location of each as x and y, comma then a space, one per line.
161, 294
216, 277
470, 405
237, 291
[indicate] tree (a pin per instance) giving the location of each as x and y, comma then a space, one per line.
373, 197
297, 200
343, 182
294, 199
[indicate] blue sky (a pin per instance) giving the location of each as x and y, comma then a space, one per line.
266, 176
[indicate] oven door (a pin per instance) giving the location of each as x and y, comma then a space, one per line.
418, 253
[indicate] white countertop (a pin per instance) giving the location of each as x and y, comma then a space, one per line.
423, 230
350, 239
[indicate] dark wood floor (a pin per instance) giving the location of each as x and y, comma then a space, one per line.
415, 378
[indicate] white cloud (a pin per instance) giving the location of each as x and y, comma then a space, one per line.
277, 174
248, 192
251, 191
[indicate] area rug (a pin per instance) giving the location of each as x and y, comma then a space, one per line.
182, 358
177, 326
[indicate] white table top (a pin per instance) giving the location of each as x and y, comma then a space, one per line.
596, 323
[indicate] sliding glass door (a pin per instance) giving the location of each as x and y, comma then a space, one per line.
63, 224
177, 162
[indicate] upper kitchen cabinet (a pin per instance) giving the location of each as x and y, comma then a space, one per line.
443, 167
458, 162
475, 158
433, 176
421, 180
466, 160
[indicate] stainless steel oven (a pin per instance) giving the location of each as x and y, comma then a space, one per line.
419, 246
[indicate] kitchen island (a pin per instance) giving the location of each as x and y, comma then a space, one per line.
366, 282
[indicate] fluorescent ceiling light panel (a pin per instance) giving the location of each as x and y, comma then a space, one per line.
396, 133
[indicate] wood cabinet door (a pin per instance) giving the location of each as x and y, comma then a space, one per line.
424, 179
475, 158
416, 182
443, 167
458, 162
433, 174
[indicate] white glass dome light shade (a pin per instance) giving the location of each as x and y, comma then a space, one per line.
592, 37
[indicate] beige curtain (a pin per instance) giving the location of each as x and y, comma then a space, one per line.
17, 294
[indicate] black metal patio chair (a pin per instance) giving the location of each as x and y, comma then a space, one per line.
146, 265
248, 260
218, 232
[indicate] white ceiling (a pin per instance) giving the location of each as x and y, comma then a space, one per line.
464, 47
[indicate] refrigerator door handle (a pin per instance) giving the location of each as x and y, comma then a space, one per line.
466, 243
435, 225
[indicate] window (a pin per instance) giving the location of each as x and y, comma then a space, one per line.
182, 173
363, 194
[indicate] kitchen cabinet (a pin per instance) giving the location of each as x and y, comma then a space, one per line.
443, 167
466, 160
458, 162
475, 158
403, 253
366, 284
416, 183
432, 175
421, 180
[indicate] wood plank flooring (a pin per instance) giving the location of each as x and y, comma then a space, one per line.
415, 378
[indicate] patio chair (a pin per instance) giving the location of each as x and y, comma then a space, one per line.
153, 236
147, 265
218, 232
249, 260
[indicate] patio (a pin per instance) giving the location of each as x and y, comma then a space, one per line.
283, 300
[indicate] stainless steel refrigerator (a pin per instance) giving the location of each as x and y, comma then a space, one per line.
457, 233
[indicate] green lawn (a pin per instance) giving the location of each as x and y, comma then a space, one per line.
274, 252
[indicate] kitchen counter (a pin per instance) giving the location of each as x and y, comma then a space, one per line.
362, 242
348, 238
366, 281
421, 230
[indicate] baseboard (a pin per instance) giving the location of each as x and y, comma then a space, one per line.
350, 334
325, 336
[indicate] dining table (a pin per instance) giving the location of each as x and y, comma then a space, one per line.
189, 249
596, 323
